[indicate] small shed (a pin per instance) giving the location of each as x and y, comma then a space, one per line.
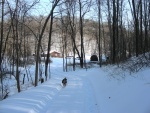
94, 58
55, 54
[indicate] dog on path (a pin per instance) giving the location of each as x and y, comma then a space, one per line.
64, 81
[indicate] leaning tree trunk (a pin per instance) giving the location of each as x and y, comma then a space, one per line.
49, 45
39, 41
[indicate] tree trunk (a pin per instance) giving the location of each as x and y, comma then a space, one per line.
1, 44
99, 32
39, 41
81, 34
136, 23
114, 33
49, 46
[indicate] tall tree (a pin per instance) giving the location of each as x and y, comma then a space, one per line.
114, 32
109, 19
84, 7
16, 24
135, 13
49, 44
1, 43
98, 2
71, 11
55, 2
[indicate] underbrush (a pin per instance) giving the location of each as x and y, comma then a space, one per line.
129, 67
135, 64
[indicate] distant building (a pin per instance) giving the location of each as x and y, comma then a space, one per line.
51, 54
55, 54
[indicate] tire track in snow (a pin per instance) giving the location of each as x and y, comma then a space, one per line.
76, 97
93, 107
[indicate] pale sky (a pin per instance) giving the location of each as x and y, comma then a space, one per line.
42, 8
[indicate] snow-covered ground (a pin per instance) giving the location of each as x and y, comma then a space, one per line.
95, 90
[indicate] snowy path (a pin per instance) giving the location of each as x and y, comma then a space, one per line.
74, 98
51, 97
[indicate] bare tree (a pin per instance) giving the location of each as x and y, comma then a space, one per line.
99, 31
40, 38
82, 5
71, 11
135, 13
50, 35
18, 34
1, 43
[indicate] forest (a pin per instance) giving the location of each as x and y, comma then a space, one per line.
118, 29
